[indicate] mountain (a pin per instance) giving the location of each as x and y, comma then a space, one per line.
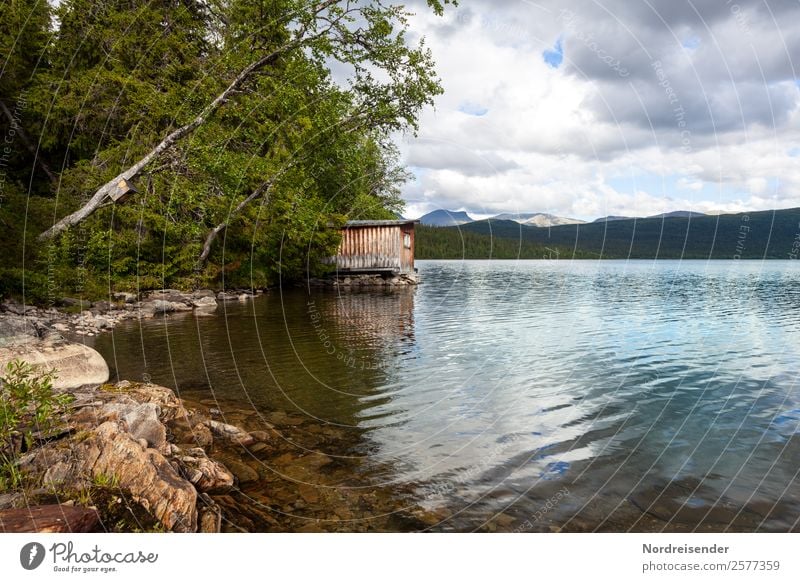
678, 214
769, 234
537, 219
612, 217
445, 218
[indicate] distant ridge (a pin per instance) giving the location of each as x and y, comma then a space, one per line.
766, 234
679, 214
673, 214
445, 218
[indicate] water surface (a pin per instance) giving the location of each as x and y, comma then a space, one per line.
523, 395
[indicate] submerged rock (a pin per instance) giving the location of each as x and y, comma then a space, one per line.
230, 433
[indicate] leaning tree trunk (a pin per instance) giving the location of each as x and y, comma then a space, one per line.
262, 190
113, 185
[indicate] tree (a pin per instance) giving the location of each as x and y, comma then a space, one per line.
362, 36
226, 118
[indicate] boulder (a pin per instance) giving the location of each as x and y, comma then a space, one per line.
76, 364
110, 452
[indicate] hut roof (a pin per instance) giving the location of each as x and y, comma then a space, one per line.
352, 223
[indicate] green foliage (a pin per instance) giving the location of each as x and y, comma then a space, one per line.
432, 242
113, 78
29, 410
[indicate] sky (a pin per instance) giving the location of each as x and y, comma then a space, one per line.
615, 107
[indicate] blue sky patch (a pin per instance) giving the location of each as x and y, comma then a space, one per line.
554, 57
691, 43
472, 108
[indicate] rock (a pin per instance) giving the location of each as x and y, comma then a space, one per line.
109, 451
49, 519
309, 493
201, 435
261, 435
9, 500
143, 423
60, 327
258, 447
101, 306
206, 474
243, 472
202, 293
76, 364
101, 323
124, 297
161, 306
189, 430
230, 433
16, 329
210, 519
204, 305
70, 302
10, 306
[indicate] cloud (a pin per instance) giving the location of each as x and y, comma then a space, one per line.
635, 108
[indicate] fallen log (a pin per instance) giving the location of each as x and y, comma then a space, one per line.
49, 519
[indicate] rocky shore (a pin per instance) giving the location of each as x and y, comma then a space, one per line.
88, 318
136, 457
366, 280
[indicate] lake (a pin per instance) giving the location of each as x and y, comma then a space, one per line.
512, 395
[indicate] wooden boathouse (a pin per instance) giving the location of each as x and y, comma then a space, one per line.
377, 247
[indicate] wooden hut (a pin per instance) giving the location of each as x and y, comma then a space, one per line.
378, 247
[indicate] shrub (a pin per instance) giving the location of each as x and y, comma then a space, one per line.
29, 410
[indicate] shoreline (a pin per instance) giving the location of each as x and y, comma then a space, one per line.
89, 318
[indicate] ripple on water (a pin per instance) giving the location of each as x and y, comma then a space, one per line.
659, 395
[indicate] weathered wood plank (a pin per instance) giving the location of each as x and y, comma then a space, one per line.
49, 519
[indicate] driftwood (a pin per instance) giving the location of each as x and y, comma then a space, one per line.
49, 519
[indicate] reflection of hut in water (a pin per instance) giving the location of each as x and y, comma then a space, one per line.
376, 252
373, 322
